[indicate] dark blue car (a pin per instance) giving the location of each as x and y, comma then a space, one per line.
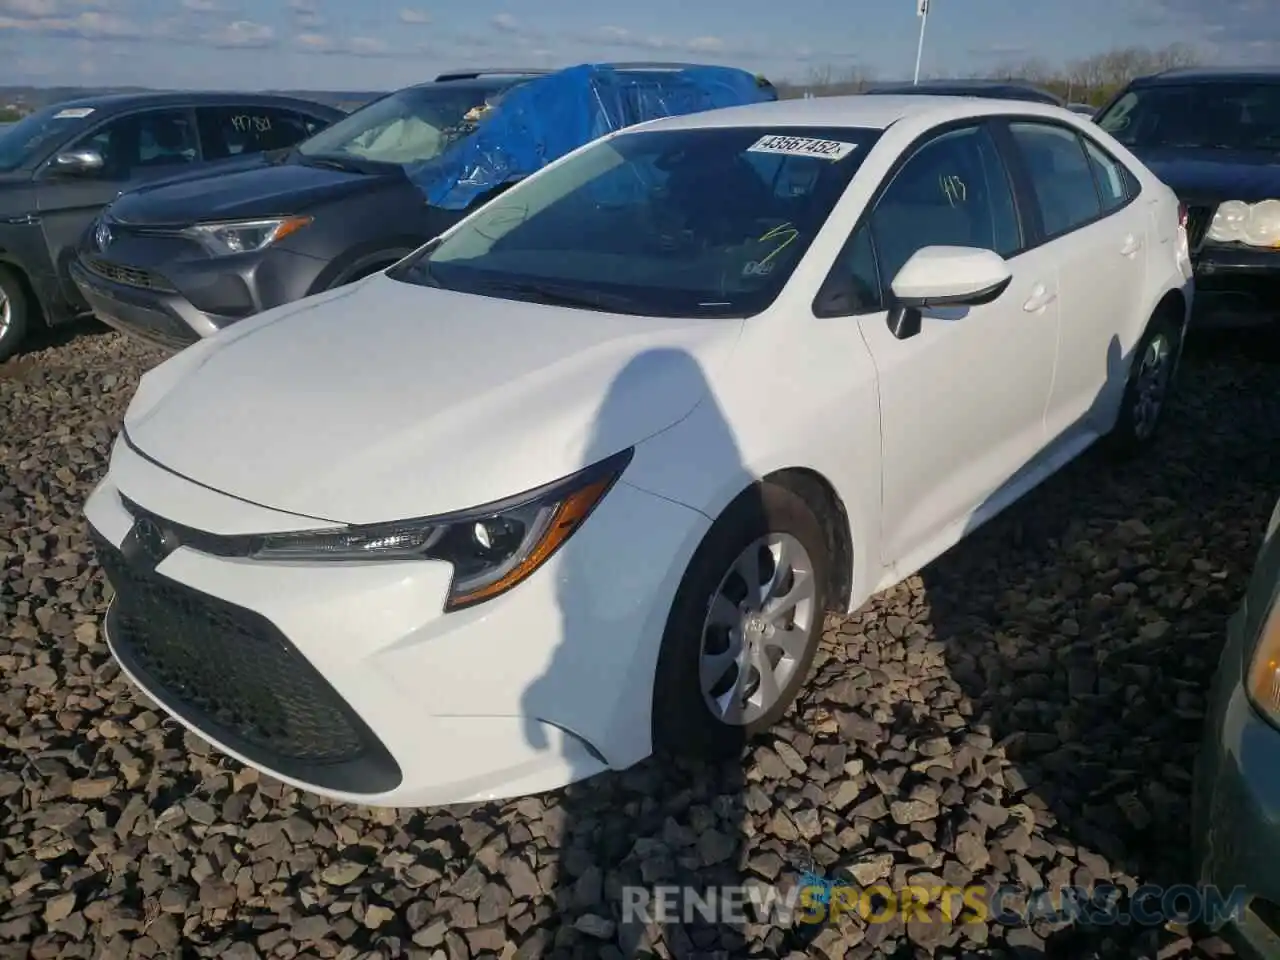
1214, 137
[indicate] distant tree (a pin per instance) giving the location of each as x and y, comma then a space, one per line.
1093, 80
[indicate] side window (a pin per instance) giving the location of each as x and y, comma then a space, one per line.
233, 131
1060, 174
1113, 185
859, 261
954, 191
157, 138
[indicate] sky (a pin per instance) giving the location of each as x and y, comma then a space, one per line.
383, 44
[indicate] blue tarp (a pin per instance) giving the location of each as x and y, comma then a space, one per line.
542, 119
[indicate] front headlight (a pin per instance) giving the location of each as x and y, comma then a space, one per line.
1254, 224
492, 548
243, 236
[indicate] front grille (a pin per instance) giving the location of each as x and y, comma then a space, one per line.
231, 673
1198, 220
128, 276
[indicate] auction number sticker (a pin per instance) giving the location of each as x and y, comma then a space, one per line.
802, 147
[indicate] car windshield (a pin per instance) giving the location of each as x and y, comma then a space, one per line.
35, 133
693, 223
408, 127
1230, 116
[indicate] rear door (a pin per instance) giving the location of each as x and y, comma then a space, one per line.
135, 147
1084, 201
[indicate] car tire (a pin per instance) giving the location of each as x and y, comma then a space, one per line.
15, 310
1148, 388
763, 522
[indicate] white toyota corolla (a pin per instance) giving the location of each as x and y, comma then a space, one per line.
578, 480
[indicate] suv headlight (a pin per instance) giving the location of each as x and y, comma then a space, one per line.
1253, 224
244, 236
492, 548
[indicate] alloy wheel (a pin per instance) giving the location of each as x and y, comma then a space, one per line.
1151, 385
757, 629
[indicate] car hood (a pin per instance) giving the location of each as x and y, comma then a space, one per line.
386, 400
262, 190
1216, 174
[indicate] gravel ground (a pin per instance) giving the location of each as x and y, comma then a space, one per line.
1026, 710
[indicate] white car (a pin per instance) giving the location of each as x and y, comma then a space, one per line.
578, 481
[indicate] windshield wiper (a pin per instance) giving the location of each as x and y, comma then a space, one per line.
565, 297
333, 163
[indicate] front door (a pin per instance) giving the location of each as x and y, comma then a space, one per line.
962, 402
135, 148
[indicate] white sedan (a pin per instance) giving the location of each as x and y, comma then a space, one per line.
578, 480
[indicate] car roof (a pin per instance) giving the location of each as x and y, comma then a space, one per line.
854, 111
1010, 89
1258, 74
116, 102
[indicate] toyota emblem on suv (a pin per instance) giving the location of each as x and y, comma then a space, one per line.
102, 236
148, 542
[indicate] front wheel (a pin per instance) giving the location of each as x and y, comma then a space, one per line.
14, 313
1147, 391
744, 627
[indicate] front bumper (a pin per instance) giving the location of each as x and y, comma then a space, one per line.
1237, 286
1236, 806
348, 679
156, 290
161, 317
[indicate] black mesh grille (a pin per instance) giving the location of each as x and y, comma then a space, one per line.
1198, 220
231, 672
129, 276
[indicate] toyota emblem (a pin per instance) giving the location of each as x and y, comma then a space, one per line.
102, 236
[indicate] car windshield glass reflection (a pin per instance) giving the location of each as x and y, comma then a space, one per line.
408, 127
1228, 116
699, 223
33, 134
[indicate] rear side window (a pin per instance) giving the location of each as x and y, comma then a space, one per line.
237, 130
1113, 185
1060, 174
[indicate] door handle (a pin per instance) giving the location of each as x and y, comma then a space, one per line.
1131, 246
1041, 297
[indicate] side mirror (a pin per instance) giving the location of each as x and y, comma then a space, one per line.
74, 162
945, 277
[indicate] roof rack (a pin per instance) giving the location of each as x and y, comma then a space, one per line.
491, 72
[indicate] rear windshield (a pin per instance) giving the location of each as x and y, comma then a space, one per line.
35, 134
700, 223
1229, 116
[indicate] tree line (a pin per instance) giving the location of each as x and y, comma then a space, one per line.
1092, 80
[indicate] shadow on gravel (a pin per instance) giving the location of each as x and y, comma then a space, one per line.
618, 838
1083, 626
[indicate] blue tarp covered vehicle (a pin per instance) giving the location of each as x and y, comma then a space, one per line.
535, 121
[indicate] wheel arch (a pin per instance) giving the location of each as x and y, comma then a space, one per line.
821, 497
34, 301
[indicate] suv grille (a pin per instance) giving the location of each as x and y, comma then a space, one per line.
230, 672
128, 276
1198, 220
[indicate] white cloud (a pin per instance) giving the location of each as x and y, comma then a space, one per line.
203, 6
352, 47
414, 15
242, 34
506, 23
